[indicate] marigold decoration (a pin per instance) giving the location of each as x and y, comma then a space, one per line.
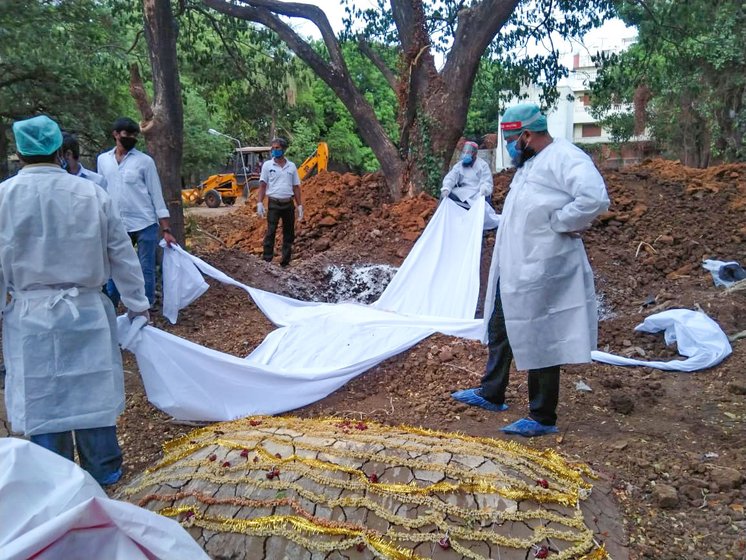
429, 493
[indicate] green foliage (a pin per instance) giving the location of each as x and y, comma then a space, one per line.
507, 64
203, 153
691, 58
62, 58
241, 70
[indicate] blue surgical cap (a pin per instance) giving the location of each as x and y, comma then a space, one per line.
525, 116
38, 136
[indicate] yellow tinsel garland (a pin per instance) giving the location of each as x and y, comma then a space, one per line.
403, 447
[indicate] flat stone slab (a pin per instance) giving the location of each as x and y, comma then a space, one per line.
285, 487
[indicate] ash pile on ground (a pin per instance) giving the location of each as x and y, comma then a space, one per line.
672, 446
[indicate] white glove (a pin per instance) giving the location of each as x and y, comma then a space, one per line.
300, 212
260, 209
486, 190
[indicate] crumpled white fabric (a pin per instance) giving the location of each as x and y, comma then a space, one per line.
696, 335
715, 267
319, 346
51, 509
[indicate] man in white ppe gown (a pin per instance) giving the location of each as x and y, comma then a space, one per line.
470, 177
60, 240
541, 300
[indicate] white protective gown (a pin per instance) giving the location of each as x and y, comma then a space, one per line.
467, 181
60, 241
546, 282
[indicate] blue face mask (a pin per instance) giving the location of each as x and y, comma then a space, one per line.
514, 151
277, 153
468, 159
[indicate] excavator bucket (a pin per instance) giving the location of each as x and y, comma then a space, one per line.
190, 197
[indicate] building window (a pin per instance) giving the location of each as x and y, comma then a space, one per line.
591, 130
586, 99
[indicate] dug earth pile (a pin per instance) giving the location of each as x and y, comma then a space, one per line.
672, 446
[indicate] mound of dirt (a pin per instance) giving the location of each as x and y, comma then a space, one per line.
339, 209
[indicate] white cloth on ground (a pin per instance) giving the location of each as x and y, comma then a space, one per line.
60, 240
547, 288
697, 337
51, 508
724, 273
319, 346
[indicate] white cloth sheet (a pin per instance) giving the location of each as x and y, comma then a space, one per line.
318, 347
697, 337
51, 509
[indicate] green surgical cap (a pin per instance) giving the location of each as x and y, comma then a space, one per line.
525, 116
38, 136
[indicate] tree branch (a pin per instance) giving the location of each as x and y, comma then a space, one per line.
403, 14
267, 18
314, 14
137, 90
377, 60
477, 27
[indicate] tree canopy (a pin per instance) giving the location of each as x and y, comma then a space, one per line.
686, 78
432, 102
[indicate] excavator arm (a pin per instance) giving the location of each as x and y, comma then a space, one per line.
318, 159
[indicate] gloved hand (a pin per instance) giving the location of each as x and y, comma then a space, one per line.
300, 212
444, 194
486, 190
260, 209
132, 314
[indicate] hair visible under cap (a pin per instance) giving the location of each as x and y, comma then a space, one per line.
126, 124
70, 142
281, 141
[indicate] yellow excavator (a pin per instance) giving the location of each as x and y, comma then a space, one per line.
225, 188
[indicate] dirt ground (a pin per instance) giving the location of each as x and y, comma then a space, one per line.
673, 446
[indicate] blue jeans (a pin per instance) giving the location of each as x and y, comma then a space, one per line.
146, 241
98, 451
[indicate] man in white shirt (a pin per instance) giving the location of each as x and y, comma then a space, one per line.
279, 180
71, 160
134, 186
470, 177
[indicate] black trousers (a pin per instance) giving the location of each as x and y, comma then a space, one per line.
277, 211
543, 384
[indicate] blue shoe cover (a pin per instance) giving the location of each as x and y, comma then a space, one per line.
473, 397
528, 427
112, 478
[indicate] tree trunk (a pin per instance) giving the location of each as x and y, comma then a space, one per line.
163, 121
